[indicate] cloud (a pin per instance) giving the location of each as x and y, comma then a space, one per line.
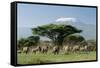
65, 19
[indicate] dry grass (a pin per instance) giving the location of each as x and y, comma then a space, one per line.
39, 58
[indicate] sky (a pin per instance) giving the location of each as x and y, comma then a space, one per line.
32, 15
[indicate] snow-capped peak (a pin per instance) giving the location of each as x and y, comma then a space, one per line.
65, 19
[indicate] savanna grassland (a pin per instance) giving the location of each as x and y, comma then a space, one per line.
64, 45
39, 58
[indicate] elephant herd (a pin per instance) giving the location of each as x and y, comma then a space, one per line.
57, 49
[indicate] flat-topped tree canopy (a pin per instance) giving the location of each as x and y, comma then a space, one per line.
55, 32
74, 39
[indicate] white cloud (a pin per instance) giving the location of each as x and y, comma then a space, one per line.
64, 19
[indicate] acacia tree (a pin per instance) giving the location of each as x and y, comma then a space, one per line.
55, 32
30, 41
33, 40
74, 39
21, 43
